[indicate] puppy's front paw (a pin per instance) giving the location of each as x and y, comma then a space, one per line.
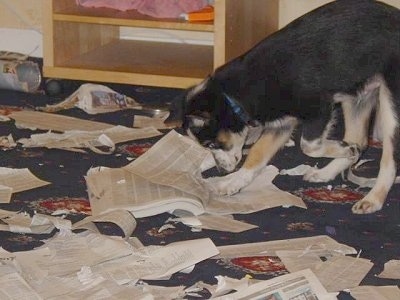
232, 183
367, 205
318, 175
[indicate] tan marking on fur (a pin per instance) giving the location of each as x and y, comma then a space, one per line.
225, 138
264, 149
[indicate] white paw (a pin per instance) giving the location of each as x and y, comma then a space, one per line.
318, 175
367, 205
232, 183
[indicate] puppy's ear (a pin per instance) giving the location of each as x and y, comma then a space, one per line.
198, 89
198, 104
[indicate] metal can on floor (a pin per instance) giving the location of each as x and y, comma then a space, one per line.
19, 75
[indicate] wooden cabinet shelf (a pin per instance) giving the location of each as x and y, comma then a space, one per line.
85, 44
127, 18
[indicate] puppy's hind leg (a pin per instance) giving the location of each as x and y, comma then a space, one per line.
356, 121
388, 116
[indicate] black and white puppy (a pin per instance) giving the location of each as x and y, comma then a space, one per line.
344, 53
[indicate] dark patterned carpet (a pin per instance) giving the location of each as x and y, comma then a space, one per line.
328, 213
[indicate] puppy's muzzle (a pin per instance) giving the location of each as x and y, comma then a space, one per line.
226, 162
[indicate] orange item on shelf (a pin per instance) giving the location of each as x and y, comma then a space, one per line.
205, 14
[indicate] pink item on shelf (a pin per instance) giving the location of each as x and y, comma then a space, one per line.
154, 8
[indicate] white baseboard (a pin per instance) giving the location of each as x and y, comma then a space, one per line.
24, 41
167, 35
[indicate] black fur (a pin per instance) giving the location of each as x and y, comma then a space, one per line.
335, 48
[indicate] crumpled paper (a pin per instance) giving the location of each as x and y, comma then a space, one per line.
94, 99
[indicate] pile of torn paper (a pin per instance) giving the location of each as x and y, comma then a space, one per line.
88, 265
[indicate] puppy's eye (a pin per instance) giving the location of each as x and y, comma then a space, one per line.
211, 145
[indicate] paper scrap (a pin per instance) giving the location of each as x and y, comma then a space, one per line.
37, 284
214, 222
122, 218
299, 285
223, 223
342, 272
72, 251
13, 286
24, 223
7, 142
5, 194
391, 270
17, 180
226, 284
94, 99
296, 260
54, 122
320, 242
368, 292
157, 262
94, 140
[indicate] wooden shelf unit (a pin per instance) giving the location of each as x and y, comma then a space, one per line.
84, 43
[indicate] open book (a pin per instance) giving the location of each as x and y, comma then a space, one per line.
168, 177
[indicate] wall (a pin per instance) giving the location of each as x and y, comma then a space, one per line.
20, 26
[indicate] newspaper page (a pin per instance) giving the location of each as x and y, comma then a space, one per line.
24, 223
73, 139
54, 122
94, 99
72, 251
91, 266
157, 262
270, 248
391, 270
368, 292
122, 218
75, 287
19, 279
5, 194
212, 222
168, 177
223, 223
12, 283
17, 180
173, 161
60, 123
335, 271
342, 272
13, 286
299, 285
39, 223
111, 189
296, 260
